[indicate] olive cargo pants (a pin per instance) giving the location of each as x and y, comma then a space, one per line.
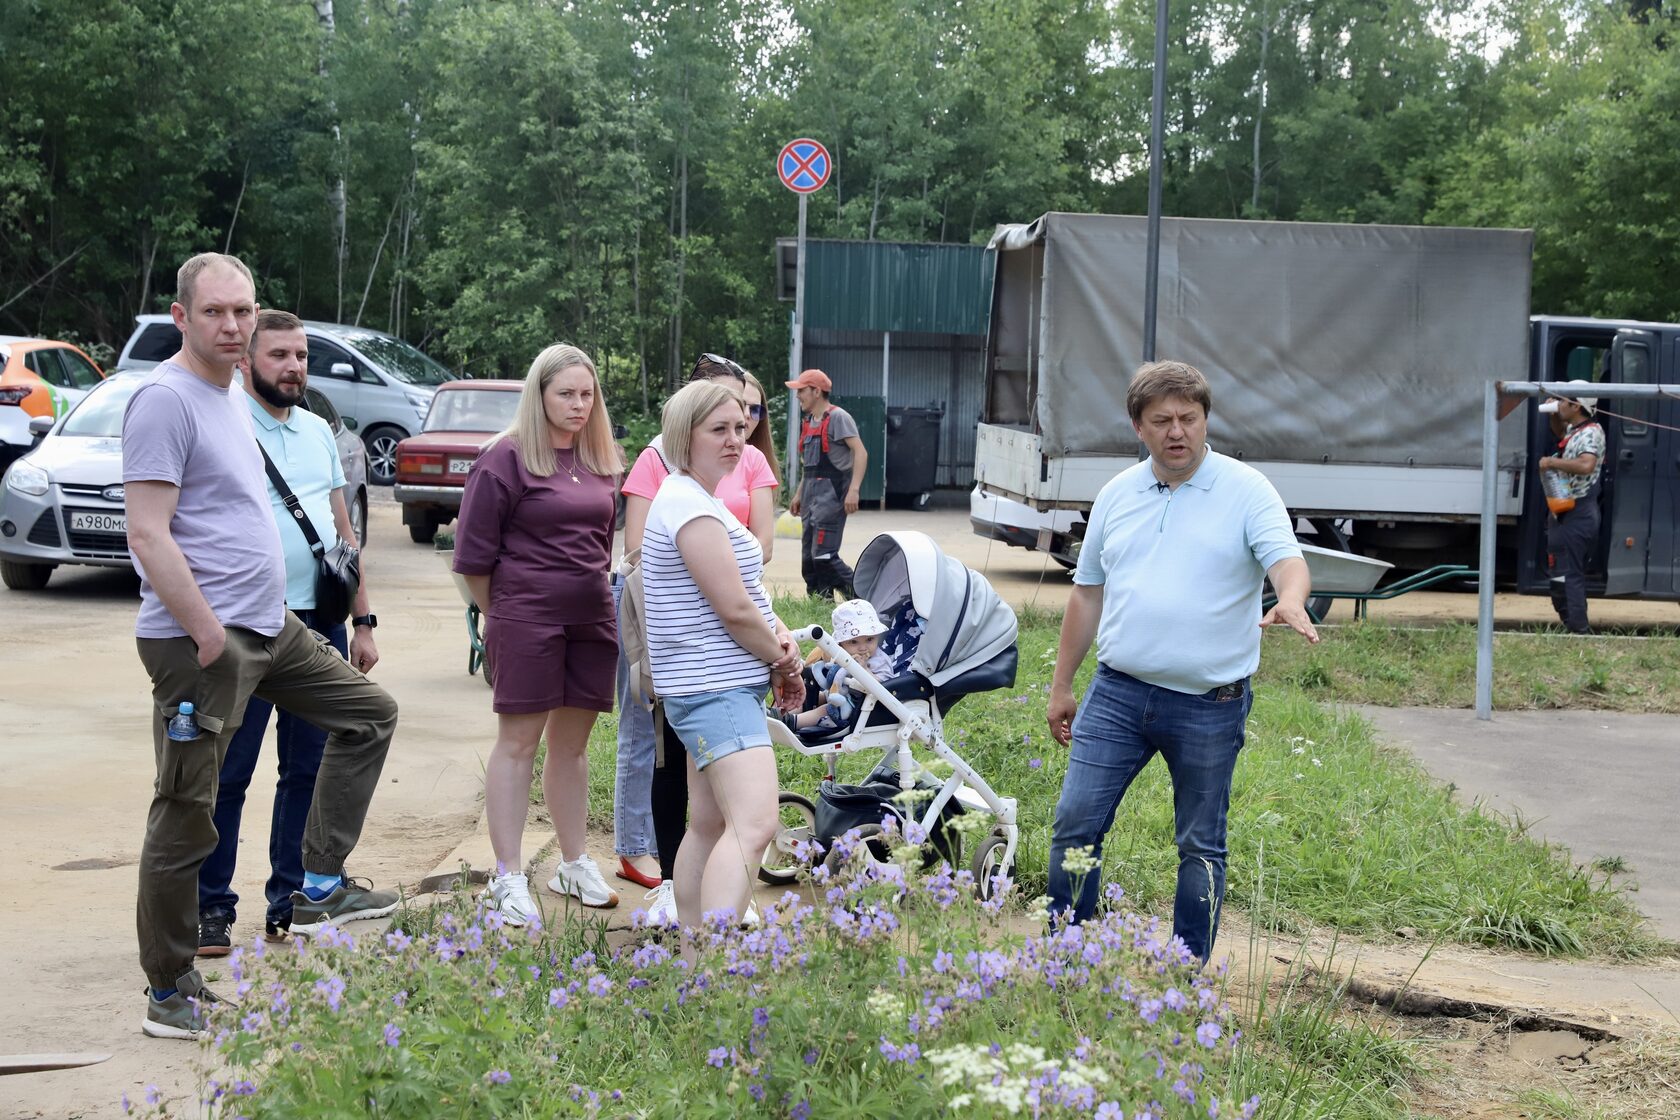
298, 671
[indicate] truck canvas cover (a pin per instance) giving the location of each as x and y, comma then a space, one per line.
1338, 343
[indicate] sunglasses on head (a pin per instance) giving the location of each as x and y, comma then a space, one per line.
755, 411
733, 369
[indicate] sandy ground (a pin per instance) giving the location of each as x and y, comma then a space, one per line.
78, 773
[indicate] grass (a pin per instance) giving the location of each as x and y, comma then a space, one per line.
1358, 836
1368, 663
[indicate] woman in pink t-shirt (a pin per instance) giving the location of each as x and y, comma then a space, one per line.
650, 803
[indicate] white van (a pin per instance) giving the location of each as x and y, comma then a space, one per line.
380, 384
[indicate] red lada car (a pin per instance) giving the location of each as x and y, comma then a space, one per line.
432, 466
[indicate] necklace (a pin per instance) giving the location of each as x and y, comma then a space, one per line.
571, 470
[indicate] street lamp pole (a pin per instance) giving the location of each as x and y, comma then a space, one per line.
1157, 113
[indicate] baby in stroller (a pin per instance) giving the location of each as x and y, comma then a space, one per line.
831, 696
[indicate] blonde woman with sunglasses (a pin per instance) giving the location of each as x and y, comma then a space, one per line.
650, 802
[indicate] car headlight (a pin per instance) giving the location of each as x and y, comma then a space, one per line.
27, 478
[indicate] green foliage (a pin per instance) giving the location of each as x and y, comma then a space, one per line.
510, 174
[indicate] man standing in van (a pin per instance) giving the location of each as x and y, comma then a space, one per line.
213, 629
1572, 529
832, 461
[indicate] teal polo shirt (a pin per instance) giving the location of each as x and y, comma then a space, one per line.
1181, 572
302, 446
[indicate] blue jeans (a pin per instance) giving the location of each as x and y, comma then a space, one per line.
633, 833
299, 746
1122, 723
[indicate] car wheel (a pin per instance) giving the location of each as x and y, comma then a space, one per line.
382, 454
423, 532
25, 577
358, 519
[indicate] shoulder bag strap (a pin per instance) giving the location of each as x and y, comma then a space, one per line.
292, 503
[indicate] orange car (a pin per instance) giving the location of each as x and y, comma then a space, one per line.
38, 377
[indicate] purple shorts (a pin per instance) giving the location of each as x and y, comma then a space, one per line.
540, 666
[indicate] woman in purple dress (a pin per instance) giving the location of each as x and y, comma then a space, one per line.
534, 542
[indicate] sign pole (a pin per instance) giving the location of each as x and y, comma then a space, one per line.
798, 364
803, 166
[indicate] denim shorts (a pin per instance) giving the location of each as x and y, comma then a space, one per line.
714, 724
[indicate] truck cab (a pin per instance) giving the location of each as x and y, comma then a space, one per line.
1638, 552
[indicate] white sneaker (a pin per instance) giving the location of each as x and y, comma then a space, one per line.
751, 919
581, 879
662, 905
510, 895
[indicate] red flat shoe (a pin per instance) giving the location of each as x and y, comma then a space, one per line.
627, 870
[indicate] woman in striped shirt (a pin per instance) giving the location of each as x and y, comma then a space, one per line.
715, 646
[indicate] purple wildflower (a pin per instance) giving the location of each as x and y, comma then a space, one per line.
1035, 763
801, 1111
599, 985
1207, 1034
498, 1077
392, 1034
717, 1056
893, 1053
1108, 1110
244, 1088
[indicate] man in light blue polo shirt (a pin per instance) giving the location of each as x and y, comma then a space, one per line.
303, 449
1168, 583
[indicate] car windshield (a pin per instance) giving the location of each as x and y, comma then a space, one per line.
399, 359
100, 413
472, 410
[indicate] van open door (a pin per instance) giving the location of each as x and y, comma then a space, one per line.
1630, 475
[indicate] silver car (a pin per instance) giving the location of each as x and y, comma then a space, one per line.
379, 381
62, 503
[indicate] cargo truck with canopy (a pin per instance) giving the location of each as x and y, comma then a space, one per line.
1347, 363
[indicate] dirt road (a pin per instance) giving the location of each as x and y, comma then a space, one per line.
78, 774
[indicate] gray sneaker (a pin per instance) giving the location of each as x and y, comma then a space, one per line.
354, 898
186, 1014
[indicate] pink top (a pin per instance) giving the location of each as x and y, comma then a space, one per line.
735, 491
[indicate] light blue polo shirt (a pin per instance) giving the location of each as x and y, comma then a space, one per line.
1181, 572
302, 446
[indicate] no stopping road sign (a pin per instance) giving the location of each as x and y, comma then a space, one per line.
804, 166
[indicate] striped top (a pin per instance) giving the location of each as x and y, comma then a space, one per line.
689, 648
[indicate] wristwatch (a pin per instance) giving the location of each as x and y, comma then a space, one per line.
368, 620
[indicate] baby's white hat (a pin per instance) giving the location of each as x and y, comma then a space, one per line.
856, 618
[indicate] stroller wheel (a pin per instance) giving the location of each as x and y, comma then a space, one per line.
870, 847
798, 822
987, 862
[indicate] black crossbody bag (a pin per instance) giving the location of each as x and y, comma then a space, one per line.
338, 570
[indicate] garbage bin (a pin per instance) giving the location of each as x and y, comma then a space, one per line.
913, 453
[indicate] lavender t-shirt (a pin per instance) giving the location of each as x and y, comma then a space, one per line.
182, 430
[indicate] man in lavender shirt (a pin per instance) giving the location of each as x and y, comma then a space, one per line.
214, 630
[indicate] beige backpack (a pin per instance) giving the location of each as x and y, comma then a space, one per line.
633, 630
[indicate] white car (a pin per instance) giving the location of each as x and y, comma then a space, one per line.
380, 384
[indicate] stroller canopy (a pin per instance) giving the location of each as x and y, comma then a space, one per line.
967, 623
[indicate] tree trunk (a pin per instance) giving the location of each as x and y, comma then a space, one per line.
337, 197
244, 178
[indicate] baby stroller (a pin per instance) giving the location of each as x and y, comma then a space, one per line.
963, 638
